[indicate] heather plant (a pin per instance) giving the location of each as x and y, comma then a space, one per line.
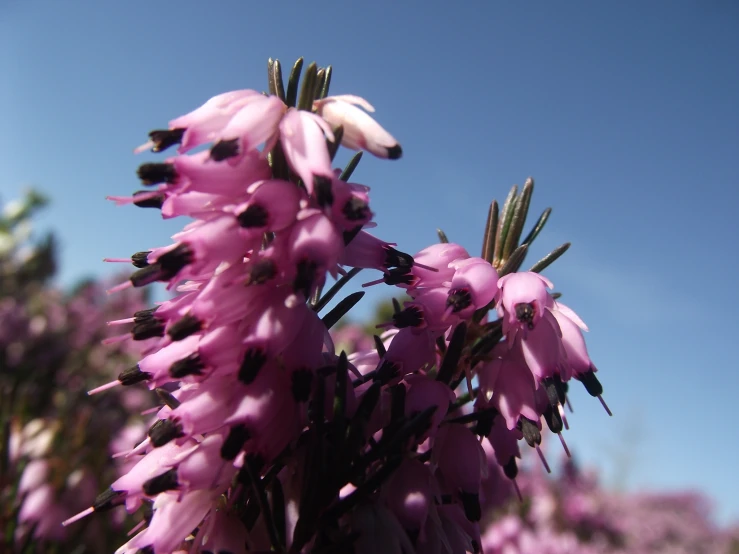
54, 439
269, 438
574, 514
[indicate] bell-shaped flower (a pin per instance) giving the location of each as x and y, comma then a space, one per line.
512, 384
303, 136
202, 124
439, 257
577, 357
409, 494
523, 300
222, 533
176, 515
473, 286
462, 464
360, 130
272, 206
254, 124
422, 393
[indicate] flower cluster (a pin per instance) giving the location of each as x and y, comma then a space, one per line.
270, 438
573, 514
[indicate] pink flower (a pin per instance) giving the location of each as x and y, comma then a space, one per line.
360, 130
303, 136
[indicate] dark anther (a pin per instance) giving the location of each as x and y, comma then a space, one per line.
133, 375
261, 271
301, 384
553, 419
163, 431
148, 201
394, 152
186, 326
164, 138
552, 392
253, 216
471, 505
145, 275
190, 365
108, 500
146, 550
147, 328
322, 191
525, 314
305, 274
169, 399
459, 299
173, 261
412, 316
224, 149
561, 388
167, 481
144, 315
511, 469
396, 258
484, 425
399, 276
234, 442
254, 359
356, 209
592, 385
530, 431
155, 173
140, 259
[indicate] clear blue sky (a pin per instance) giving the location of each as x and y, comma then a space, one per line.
626, 113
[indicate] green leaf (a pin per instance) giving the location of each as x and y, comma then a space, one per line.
350, 167
491, 230
341, 309
326, 298
274, 78
326, 83
505, 223
547, 260
513, 263
442, 236
538, 227
520, 211
307, 90
292, 83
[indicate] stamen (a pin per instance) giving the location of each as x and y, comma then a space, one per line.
564, 445
373, 283
136, 527
144, 147
517, 489
605, 406
123, 286
104, 387
117, 260
426, 267
543, 459
120, 321
84, 513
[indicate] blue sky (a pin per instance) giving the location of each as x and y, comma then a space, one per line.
625, 113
